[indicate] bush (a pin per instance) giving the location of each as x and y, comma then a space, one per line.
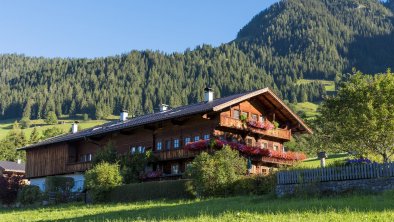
9, 188
29, 195
214, 175
257, 185
59, 188
59, 184
25, 122
107, 154
133, 166
171, 189
101, 179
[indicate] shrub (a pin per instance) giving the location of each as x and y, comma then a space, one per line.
59, 184
9, 188
171, 189
133, 166
213, 175
59, 188
101, 179
107, 154
29, 195
256, 184
25, 122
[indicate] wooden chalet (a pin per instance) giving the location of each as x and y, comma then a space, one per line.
246, 119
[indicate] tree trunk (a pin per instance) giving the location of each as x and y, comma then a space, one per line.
385, 158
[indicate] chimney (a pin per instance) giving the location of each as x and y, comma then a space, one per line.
163, 107
74, 127
208, 94
19, 161
123, 115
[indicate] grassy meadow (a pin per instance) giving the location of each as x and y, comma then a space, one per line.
6, 125
328, 85
248, 208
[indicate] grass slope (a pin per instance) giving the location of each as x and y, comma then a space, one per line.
6, 125
315, 162
309, 108
251, 208
328, 85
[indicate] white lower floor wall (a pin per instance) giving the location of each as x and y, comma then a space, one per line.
79, 181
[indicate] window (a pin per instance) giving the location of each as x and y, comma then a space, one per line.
175, 168
245, 114
139, 149
187, 140
206, 137
264, 146
276, 147
236, 114
176, 143
254, 117
168, 144
89, 157
261, 118
159, 146
196, 138
82, 158
132, 150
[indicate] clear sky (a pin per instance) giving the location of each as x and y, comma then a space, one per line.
94, 28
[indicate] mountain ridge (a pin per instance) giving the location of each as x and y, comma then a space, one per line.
291, 40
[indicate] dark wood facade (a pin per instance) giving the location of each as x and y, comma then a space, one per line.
167, 139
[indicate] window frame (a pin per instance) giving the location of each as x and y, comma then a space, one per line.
176, 143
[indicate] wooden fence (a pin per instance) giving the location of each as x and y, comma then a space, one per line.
354, 172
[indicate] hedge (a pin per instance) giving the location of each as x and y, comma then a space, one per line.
170, 189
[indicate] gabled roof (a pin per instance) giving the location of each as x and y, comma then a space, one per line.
12, 166
202, 107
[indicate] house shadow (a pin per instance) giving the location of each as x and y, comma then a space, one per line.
216, 207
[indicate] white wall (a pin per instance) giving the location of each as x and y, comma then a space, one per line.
79, 181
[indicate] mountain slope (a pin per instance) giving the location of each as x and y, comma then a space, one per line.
291, 40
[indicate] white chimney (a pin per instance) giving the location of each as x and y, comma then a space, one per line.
19, 161
74, 127
123, 115
208, 94
163, 107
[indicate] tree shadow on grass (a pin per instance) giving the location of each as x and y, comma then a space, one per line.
261, 205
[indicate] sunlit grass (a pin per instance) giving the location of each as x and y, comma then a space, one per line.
250, 208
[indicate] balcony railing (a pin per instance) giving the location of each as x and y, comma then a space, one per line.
175, 154
78, 167
229, 122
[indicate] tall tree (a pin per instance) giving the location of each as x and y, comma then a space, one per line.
361, 118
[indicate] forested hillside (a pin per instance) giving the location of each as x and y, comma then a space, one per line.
291, 40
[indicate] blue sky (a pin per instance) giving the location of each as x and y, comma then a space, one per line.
87, 28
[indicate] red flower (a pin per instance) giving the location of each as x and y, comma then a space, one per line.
246, 150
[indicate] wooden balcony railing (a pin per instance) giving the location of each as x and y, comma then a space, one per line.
238, 124
78, 167
175, 154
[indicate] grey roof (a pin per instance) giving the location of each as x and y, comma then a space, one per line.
215, 105
12, 166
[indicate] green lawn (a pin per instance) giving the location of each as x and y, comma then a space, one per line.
6, 125
252, 208
329, 85
309, 108
315, 162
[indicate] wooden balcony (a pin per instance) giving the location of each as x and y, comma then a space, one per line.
277, 161
237, 124
175, 154
78, 167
